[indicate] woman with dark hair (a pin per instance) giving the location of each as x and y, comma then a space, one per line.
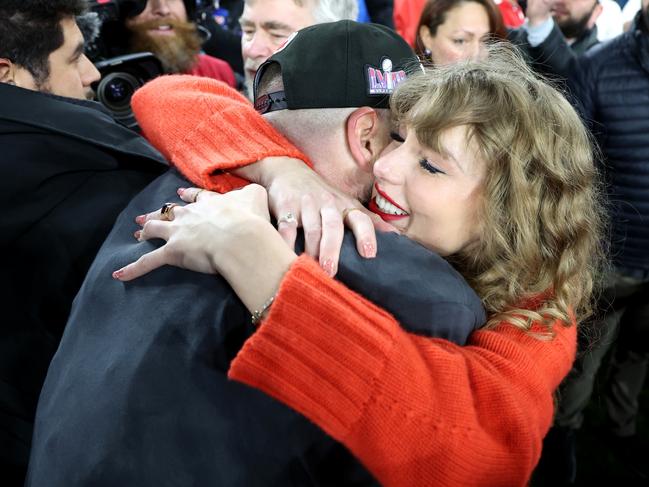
453, 30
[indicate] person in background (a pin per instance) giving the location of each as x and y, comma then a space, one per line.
267, 24
407, 15
225, 35
454, 30
62, 157
610, 84
166, 28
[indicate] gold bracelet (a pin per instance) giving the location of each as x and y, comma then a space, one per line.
256, 315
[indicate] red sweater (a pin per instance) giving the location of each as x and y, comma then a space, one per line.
416, 411
211, 67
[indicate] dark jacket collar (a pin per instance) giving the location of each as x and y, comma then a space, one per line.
81, 119
587, 40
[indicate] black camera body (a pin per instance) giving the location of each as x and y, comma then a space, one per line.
121, 73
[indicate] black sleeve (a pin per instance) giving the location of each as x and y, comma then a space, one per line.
418, 287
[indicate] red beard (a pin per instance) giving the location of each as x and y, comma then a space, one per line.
177, 52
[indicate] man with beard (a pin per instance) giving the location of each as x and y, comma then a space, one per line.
553, 25
267, 24
163, 28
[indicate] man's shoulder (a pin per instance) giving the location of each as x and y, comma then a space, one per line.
420, 288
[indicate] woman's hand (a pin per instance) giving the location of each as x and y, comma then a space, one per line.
201, 235
296, 191
226, 234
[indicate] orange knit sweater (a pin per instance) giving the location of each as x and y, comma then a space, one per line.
416, 411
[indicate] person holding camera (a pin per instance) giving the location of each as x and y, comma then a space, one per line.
163, 28
67, 169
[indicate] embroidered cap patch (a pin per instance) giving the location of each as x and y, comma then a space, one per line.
383, 80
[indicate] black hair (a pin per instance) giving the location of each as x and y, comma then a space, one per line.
30, 30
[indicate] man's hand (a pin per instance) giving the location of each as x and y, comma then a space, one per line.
299, 197
539, 11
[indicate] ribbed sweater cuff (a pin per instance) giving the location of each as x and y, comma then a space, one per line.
205, 127
223, 141
291, 356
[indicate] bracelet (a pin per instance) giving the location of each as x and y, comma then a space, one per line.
256, 315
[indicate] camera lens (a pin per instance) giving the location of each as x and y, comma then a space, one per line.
115, 92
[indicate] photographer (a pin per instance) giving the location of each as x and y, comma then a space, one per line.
164, 29
67, 170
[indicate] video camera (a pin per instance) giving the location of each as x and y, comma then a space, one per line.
122, 73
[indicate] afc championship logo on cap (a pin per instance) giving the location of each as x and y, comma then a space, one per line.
383, 81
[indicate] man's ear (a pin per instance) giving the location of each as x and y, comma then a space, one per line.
363, 130
7, 71
597, 11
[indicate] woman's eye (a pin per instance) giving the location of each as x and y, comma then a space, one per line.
459, 42
396, 137
427, 166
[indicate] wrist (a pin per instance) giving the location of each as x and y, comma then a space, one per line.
258, 265
265, 171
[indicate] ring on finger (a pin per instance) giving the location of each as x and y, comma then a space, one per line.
287, 218
167, 211
196, 195
347, 211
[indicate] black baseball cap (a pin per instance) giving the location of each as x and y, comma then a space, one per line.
338, 65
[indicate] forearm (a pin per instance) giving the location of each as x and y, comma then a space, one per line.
262, 265
206, 128
415, 411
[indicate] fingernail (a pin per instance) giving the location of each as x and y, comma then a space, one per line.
369, 250
118, 274
181, 191
329, 267
138, 234
140, 219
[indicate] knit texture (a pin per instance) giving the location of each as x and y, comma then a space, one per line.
415, 410
216, 130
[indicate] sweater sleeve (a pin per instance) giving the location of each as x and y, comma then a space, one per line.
415, 410
204, 127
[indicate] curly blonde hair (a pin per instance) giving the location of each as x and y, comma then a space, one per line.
542, 212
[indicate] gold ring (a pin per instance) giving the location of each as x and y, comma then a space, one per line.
196, 195
167, 211
347, 211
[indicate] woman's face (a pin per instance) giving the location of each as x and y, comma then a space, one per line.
432, 198
462, 35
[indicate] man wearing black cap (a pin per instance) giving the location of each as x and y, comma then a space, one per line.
138, 393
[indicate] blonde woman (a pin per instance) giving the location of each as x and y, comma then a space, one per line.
491, 168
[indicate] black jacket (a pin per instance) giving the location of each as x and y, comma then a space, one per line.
554, 57
67, 170
611, 85
137, 394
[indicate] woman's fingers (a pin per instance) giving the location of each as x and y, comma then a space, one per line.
142, 266
332, 237
154, 229
312, 226
191, 195
362, 227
